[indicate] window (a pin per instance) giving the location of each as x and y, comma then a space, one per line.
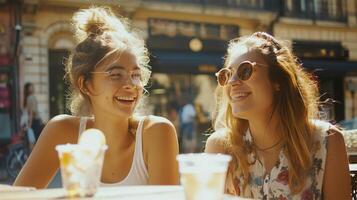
316, 9
210, 31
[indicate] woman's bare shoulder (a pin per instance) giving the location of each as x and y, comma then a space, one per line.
160, 148
158, 126
337, 181
159, 138
157, 120
216, 142
63, 127
63, 121
158, 133
335, 140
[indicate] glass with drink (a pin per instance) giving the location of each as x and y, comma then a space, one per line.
81, 164
203, 175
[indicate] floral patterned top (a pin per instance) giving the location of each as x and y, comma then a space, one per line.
275, 185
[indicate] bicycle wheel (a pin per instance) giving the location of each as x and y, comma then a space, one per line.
14, 162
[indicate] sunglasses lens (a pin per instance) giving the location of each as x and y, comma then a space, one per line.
223, 76
244, 71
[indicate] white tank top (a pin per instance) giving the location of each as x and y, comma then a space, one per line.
138, 174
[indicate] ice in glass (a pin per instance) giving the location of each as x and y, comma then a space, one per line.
81, 164
203, 175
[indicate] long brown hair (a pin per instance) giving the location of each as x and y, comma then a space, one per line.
98, 32
295, 103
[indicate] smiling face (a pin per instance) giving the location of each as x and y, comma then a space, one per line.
115, 87
254, 96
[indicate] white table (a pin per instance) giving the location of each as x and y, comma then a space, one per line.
105, 193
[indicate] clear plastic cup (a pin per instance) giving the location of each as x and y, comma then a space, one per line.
203, 175
81, 168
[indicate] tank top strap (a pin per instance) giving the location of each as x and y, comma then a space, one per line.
82, 125
139, 136
140, 172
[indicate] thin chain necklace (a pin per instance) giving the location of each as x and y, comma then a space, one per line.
268, 148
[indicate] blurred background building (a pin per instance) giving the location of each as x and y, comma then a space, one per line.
187, 40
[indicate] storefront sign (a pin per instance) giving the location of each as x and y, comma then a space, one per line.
171, 28
320, 50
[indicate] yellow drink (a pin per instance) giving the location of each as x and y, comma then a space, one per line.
80, 169
81, 164
203, 185
203, 175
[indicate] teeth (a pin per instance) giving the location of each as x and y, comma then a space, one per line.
125, 98
240, 94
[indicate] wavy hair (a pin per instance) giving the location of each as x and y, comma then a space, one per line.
295, 103
99, 32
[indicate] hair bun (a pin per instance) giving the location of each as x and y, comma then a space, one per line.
95, 21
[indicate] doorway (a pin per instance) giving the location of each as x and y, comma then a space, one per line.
58, 86
331, 87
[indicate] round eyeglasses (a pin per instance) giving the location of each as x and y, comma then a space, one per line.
118, 76
243, 72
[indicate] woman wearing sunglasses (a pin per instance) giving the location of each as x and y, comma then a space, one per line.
265, 119
107, 72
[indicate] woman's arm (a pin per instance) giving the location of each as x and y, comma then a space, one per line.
160, 142
43, 162
337, 182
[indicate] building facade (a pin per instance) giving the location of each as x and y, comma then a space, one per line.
187, 40
324, 36
9, 41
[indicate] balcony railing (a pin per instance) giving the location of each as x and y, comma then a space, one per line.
329, 10
270, 5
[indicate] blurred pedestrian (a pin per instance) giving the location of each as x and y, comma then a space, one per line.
31, 114
107, 72
188, 125
265, 119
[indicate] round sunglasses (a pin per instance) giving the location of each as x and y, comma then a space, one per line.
243, 72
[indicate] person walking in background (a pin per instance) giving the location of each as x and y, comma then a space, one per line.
265, 119
187, 125
107, 72
31, 110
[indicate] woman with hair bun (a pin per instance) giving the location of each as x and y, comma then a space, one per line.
107, 72
266, 120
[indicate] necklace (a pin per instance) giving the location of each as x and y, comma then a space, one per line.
268, 148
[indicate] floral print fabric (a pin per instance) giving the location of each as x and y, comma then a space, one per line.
275, 184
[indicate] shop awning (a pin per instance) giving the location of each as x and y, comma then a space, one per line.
186, 62
208, 63
339, 66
